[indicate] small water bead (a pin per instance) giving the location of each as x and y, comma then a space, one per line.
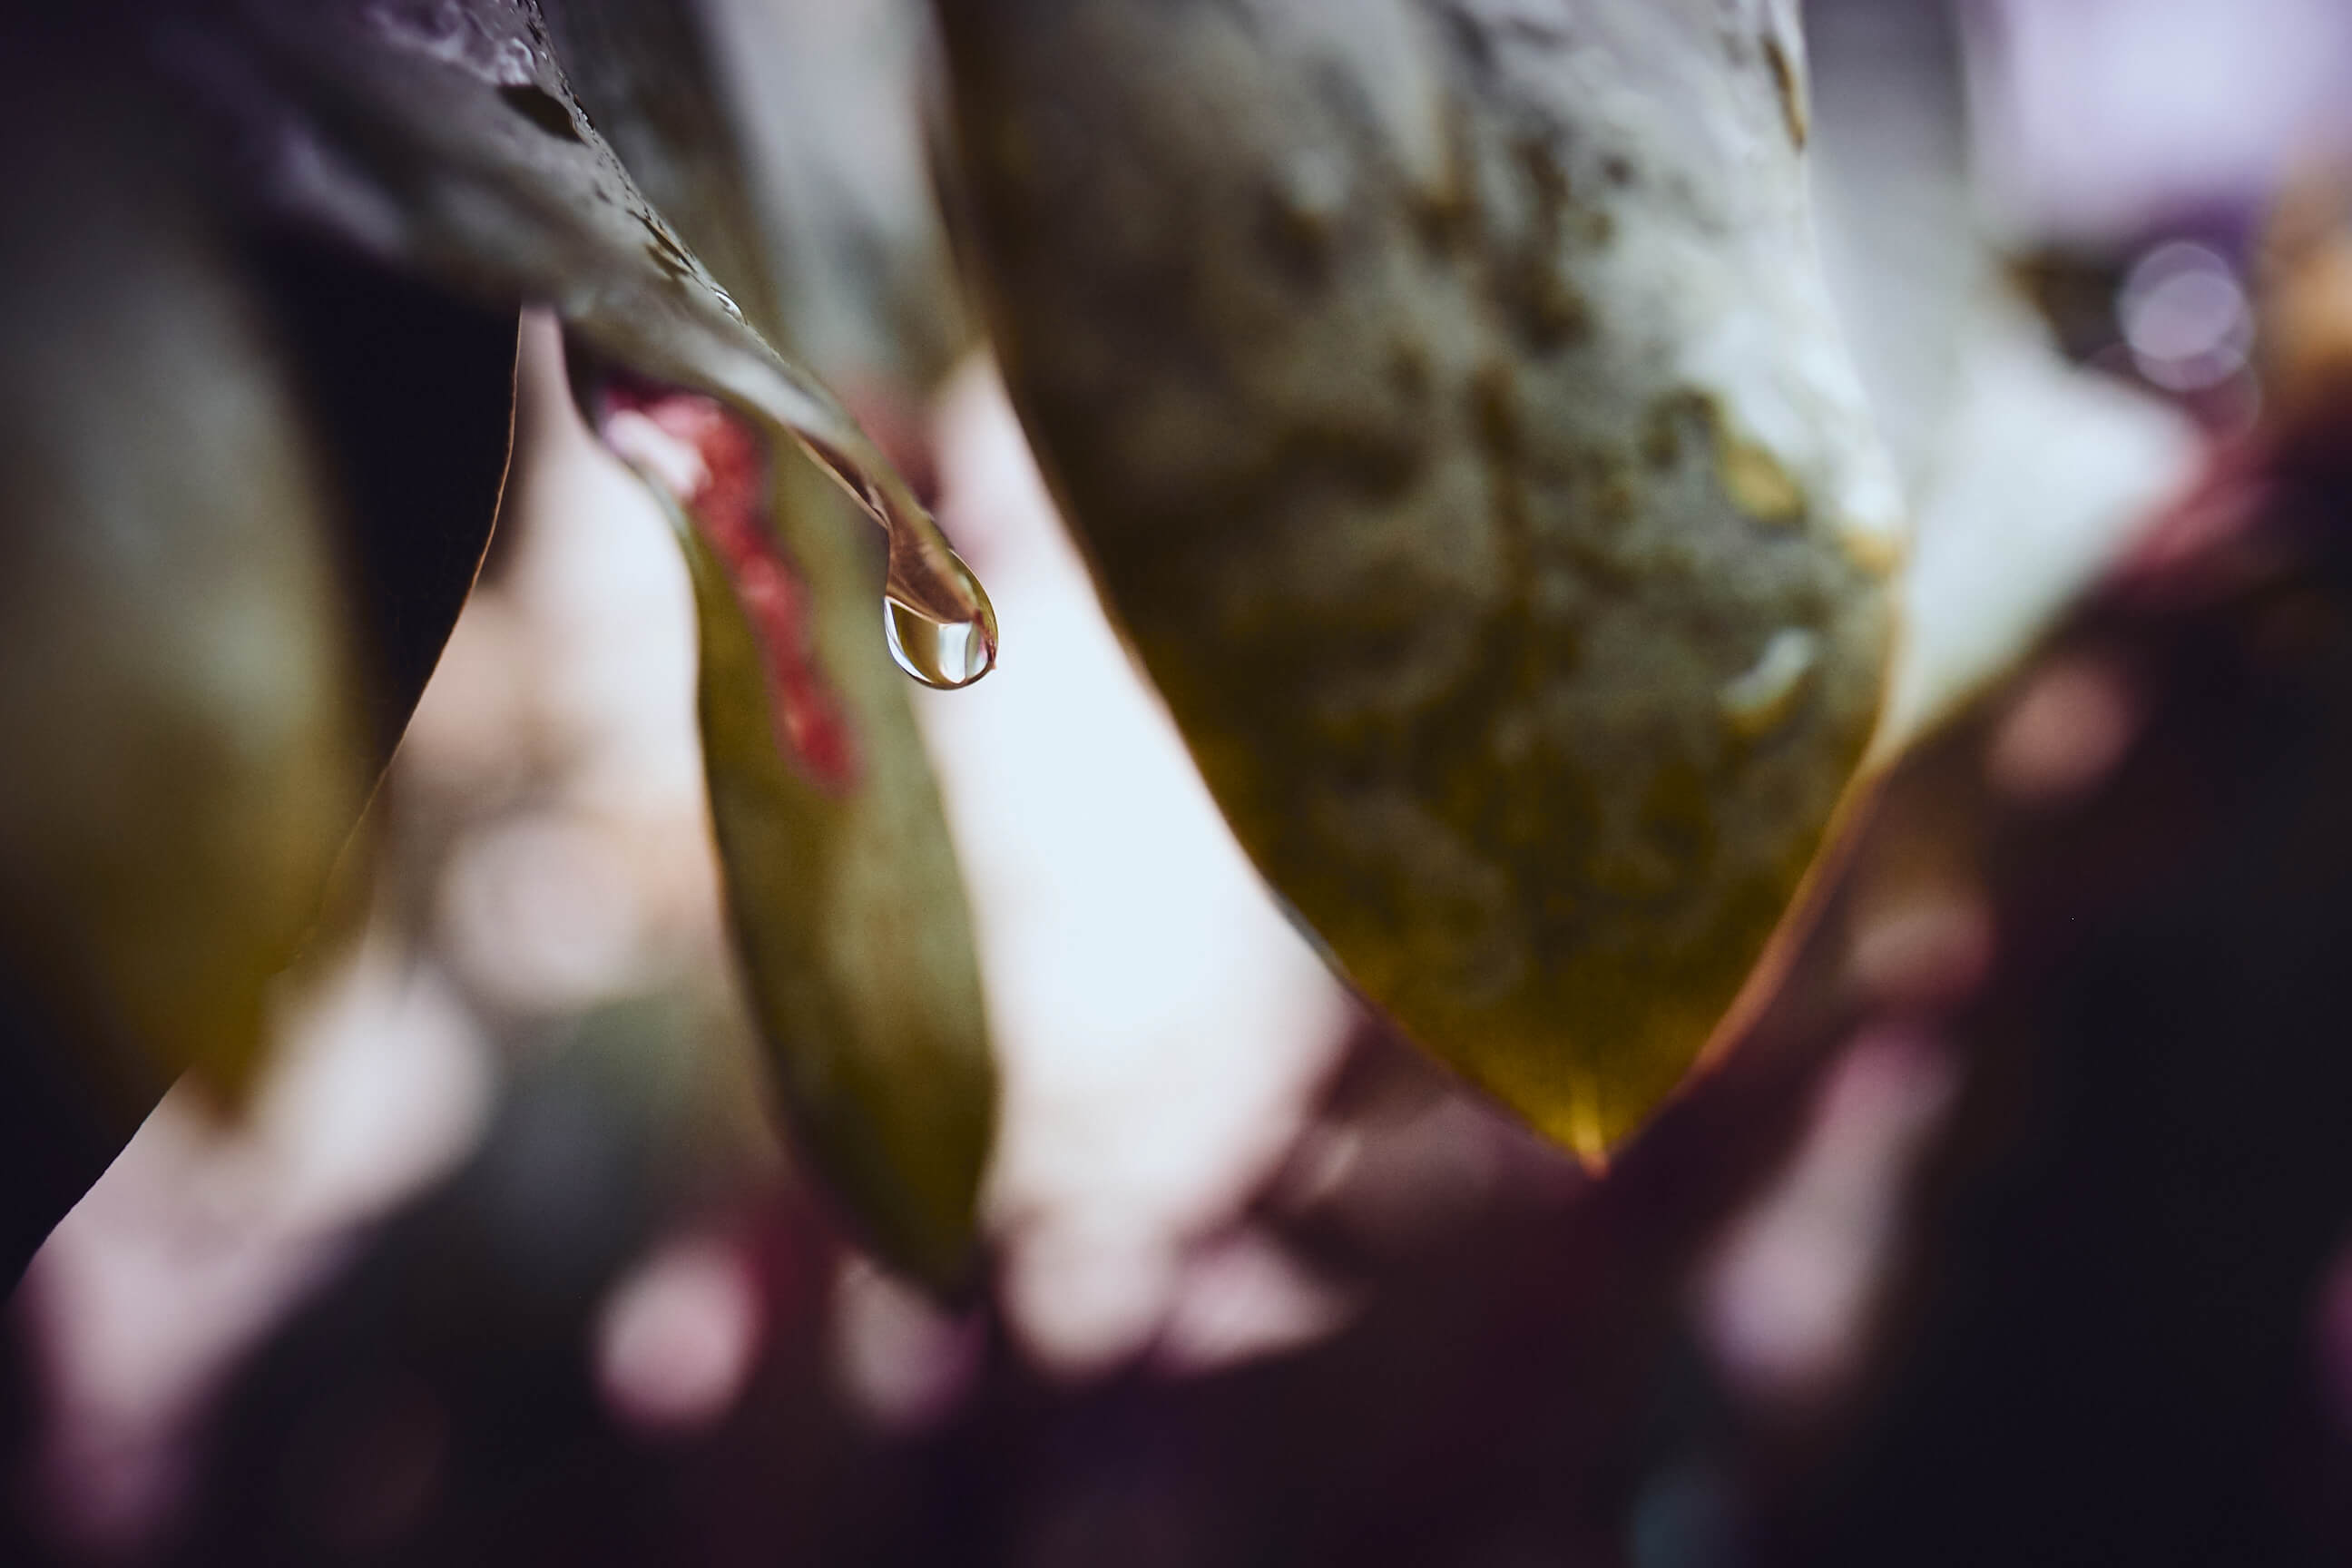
943, 655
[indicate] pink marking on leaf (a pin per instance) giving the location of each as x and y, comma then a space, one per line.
724, 489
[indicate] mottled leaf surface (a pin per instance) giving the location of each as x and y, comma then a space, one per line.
1448, 397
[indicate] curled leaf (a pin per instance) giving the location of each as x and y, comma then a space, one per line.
842, 889
1450, 403
443, 136
847, 908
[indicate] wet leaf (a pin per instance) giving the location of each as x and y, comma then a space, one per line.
848, 906
1448, 396
249, 481
442, 135
446, 138
848, 910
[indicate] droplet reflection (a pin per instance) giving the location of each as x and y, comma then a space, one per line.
944, 655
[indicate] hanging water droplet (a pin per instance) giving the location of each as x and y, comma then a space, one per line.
939, 624
944, 655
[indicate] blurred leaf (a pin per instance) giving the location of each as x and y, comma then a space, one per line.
839, 105
176, 689
837, 100
412, 392
58, 1130
2026, 476
805, 123
1456, 415
805, 120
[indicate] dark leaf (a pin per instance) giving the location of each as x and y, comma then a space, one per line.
177, 690
412, 392
430, 133
444, 138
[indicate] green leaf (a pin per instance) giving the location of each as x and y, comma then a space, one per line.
249, 480
178, 696
848, 910
1457, 419
848, 906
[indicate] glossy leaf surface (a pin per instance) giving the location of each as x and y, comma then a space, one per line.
443, 135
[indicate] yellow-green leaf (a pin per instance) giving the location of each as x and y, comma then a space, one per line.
846, 904
1456, 417
848, 909
178, 715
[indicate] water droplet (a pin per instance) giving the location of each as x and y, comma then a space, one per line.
942, 654
941, 627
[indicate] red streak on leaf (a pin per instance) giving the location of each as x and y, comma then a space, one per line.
727, 501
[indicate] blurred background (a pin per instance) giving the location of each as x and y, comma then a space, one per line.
2017, 1228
